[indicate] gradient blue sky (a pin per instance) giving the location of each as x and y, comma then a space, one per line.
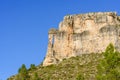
24, 26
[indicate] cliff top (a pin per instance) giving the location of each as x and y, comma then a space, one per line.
92, 14
80, 21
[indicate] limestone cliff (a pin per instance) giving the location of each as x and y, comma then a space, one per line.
83, 34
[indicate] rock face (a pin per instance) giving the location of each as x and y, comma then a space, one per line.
83, 34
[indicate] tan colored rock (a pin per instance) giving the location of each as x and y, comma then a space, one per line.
83, 34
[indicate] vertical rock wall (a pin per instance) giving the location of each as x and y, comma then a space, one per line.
83, 34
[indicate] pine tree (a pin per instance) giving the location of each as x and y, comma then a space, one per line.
32, 67
109, 66
23, 73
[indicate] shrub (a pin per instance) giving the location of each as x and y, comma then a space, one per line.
79, 77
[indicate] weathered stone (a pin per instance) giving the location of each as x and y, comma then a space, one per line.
83, 34
53, 31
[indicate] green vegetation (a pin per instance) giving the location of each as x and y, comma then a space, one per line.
32, 67
23, 73
26, 74
109, 67
36, 77
80, 77
104, 66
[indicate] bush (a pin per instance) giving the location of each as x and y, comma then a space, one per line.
36, 77
79, 77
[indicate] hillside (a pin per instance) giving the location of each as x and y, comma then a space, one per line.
68, 69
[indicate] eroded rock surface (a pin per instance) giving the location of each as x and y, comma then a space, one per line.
83, 34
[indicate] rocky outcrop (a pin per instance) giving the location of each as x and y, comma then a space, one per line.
83, 34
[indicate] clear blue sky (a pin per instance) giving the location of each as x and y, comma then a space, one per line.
24, 26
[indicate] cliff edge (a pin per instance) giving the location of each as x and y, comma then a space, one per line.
83, 34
